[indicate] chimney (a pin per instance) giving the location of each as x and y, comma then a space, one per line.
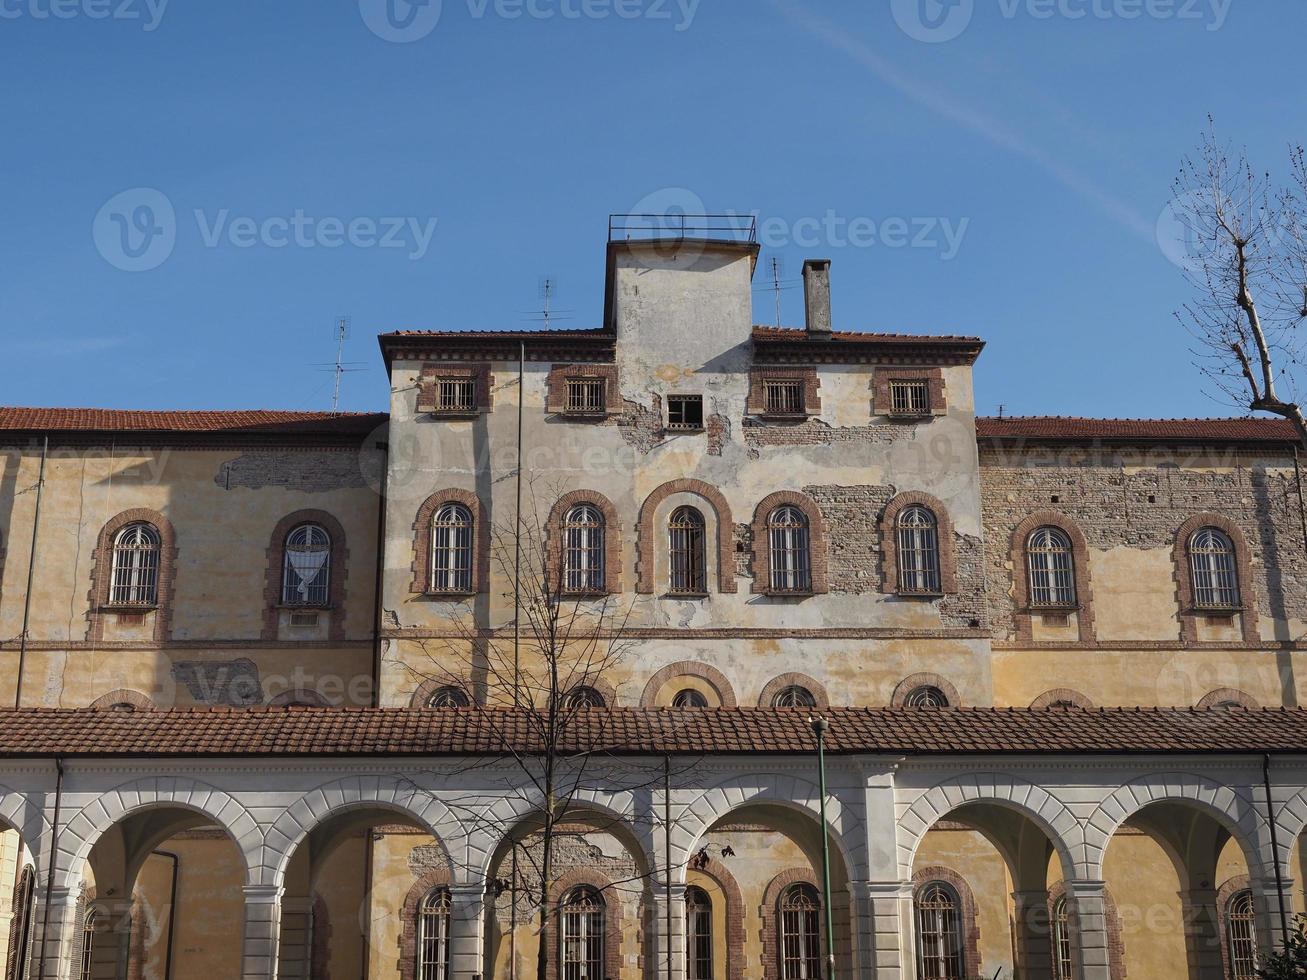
816, 296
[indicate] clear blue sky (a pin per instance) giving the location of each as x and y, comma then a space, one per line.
1049, 141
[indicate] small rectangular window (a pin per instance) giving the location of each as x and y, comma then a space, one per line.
456, 395
784, 397
685, 412
587, 396
909, 397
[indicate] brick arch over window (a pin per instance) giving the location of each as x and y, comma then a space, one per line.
1059, 696
408, 919
1115, 938
275, 571
889, 541
771, 926
107, 702
102, 572
818, 552
421, 584
924, 679
730, 889
968, 920
1184, 585
612, 538
1079, 566
778, 684
1230, 888
1227, 694
646, 536
612, 918
689, 668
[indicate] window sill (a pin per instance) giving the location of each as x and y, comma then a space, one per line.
584, 594
784, 416
686, 595
455, 413
909, 416
902, 594
789, 593
304, 606
687, 429
450, 594
1051, 610
1216, 611
130, 607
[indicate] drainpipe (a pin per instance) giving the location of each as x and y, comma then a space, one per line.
819, 726
377, 585
31, 566
49, 878
1275, 848
172, 910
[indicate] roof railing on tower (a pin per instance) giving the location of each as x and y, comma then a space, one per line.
738, 228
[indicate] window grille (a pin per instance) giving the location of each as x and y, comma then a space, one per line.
1241, 935
791, 569
451, 549
135, 579
783, 397
909, 397
800, 919
685, 412
90, 927
918, 541
698, 935
582, 950
939, 933
794, 696
587, 395
1051, 568
689, 698
583, 697
456, 394
447, 697
20, 925
583, 557
433, 936
1063, 966
1215, 578
306, 570
926, 697
689, 575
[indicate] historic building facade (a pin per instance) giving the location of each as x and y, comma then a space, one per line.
710, 515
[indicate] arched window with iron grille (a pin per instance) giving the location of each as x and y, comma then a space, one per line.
926, 696
1241, 936
791, 558
689, 698
918, 544
939, 933
800, 928
135, 579
582, 952
689, 573
433, 936
583, 551
794, 696
447, 697
698, 935
1051, 567
451, 549
1214, 571
306, 569
1063, 966
583, 697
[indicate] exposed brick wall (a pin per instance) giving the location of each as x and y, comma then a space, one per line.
421, 567
339, 568
761, 540
556, 385
970, 922
717, 428
760, 434
689, 668
647, 541
102, 573
304, 471
613, 532
641, 426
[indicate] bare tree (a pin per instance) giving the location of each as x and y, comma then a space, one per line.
1246, 259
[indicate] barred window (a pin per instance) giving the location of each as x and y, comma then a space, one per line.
456, 394
135, 580
689, 573
451, 549
306, 569
926, 696
1052, 569
1241, 935
583, 697
698, 935
939, 933
909, 397
583, 551
433, 935
800, 946
918, 542
1063, 967
587, 395
582, 952
91, 927
791, 569
447, 697
794, 696
1215, 578
689, 698
783, 397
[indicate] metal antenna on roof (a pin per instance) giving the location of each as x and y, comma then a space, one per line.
546, 315
342, 331
776, 285
1001, 409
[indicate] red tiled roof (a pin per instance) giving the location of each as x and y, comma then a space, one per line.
342, 732
1054, 427
235, 422
897, 339
586, 333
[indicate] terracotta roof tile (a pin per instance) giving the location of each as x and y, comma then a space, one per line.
344, 732
232, 422
585, 333
852, 336
1060, 428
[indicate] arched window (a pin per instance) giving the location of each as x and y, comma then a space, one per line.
90, 928
1212, 564
451, 549
581, 953
689, 572
447, 697
800, 939
791, 568
583, 553
1051, 568
689, 698
794, 696
306, 573
583, 697
20, 924
433, 936
1062, 963
698, 935
926, 696
1241, 935
939, 933
135, 579
918, 540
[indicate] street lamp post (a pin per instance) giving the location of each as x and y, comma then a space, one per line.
819, 726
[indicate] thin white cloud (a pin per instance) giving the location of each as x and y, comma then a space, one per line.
992, 130
70, 345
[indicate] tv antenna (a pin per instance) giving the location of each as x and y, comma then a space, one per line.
546, 315
776, 286
341, 366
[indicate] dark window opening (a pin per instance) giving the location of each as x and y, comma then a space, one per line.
685, 412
